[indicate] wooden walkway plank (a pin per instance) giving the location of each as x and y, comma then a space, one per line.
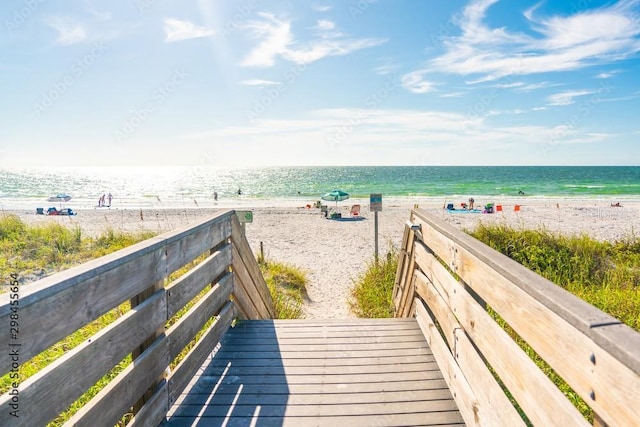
348, 372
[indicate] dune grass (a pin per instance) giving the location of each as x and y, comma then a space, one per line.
287, 286
604, 274
372, 290
36, 251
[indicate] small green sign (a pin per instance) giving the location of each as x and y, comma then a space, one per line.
245, 216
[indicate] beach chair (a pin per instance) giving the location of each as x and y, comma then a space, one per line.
355, 210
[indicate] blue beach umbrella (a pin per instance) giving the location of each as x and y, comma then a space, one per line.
335, 196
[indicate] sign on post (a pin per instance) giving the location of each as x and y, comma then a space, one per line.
245, 216
375, 202
375, 205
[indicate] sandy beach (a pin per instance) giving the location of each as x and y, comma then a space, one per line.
334, 253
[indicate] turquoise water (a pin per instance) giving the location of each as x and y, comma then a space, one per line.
191, 187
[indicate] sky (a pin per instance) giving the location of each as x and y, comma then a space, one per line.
235, 83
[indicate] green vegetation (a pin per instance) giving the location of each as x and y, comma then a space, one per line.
287, 285
36, 251
604, 274
372, 291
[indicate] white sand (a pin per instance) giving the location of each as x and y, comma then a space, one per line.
333, 253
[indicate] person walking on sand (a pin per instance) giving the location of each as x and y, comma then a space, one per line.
109, 198
471, 202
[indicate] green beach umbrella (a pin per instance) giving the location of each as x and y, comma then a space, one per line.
335, 196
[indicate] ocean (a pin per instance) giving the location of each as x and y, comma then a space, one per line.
191, 187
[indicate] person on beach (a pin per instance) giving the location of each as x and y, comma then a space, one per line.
239, 192
215, 196
471, 202
109, 198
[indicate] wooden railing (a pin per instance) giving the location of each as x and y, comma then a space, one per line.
462, 292
55, 307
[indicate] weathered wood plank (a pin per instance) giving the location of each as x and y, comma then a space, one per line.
266, 398
291, 371
321, 347
183, 373
321, 409
353, 339
273, 360
242, 299
348, 386
188, 286
434, 419
282, 379
113, 401
335, 354
50, 391
398, 285
530, 387
244, 279
471, 411
206, 385
467, 357
565, 331
250, 264
154, 410
185, 329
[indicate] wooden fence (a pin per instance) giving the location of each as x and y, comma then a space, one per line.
463, 293
152, 331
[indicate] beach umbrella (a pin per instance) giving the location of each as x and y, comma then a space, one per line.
59, 198
335, 196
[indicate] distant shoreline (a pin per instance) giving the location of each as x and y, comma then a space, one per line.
333, 253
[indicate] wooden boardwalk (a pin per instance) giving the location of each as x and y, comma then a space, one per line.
355, 372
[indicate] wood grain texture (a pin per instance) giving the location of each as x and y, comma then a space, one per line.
317, 378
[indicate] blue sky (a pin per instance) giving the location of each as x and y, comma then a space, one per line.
322, 82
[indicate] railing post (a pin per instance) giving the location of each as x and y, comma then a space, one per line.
135, 301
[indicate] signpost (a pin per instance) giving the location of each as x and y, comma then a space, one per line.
375, 205
244, 217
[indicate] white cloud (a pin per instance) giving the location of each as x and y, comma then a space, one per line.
321, 8
275, 39
325, 24
415, 82
567, 97
344, 134
258, 82
69, 31
177, 30
555, 43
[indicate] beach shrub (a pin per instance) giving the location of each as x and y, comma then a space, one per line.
287, 286
371, 296
604, 274
34, 251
